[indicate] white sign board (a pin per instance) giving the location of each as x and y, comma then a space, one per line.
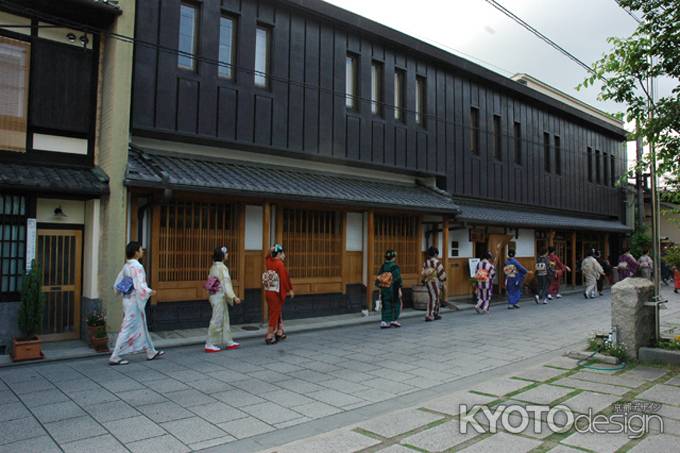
473, 262
31, 232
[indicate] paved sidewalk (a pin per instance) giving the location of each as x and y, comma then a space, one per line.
261, 396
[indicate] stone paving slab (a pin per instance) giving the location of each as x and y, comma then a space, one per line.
630, 381
585, 401
593, 386
565, 363
601, 443
58, 411
161, 444
73, 429
39, 443
401, 422
450, 404
501, 386
396, 449
246, 427
543, 394
114, 410
665, 394
12, 411
643, 372
218, 412
564, 449
105, 443
539, 374
504, 442
440, 438
134, 429
192, 430
674, 381
656, 444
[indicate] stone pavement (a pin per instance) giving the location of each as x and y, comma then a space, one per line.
260, 397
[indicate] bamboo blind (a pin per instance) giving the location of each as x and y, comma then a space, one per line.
401, 234
14, 71
313, 243
189, 232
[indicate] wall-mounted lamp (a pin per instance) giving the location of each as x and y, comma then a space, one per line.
71, 37
59, 212
84, 40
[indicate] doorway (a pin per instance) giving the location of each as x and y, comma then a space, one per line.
59, 254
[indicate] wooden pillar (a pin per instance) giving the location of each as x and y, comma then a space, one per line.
605, 251
573, 258
155, 249
445, 251
241, 264
266, 225
369, 260
279, 225
551, 238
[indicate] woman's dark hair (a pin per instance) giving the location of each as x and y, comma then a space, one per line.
276, 250
219, 253
432, 252
131, 249
487, 256
551, 249
511, 253
390, 254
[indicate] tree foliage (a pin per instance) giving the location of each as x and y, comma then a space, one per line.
640, 242
652, 51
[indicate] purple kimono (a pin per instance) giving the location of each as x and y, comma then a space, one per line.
628, 266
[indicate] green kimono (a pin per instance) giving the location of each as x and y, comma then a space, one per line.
391, 304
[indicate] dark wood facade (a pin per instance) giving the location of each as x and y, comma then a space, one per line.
303, 114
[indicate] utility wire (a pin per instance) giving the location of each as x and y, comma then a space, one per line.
630, 13
535, 131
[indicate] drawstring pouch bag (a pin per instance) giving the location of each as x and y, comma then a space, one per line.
125, 286
212, 285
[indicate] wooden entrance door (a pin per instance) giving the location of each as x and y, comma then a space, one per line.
59, 253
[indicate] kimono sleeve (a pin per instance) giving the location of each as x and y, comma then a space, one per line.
227, 286
522, 270
396, 277
492, 272
441, 272
139, 282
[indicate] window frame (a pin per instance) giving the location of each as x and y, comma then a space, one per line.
194, 37
474, 131
612, 170
377, 88
558, 154
590, 164
517, 132
258, 74
352, 82
421, 101
7, 223
547, 161
598, 167
497, 137
399, 95
231, 65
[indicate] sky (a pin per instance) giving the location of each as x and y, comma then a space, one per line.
475, 30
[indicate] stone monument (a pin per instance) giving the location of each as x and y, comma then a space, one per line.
634, 321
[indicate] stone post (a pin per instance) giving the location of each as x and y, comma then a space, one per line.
635, 322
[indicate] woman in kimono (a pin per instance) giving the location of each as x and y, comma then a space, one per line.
558, 272
390, 290
277, 287
219, 330
484, 275
134, 333
514, 276
433, 278
592, 272
646, 265
628, 265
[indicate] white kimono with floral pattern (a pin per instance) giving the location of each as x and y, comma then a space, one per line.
134, 333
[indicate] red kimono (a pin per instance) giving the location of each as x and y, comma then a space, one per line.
275, 300
554, 287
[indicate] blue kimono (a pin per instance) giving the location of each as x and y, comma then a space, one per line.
514, 276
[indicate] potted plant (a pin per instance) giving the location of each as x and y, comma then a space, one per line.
96, 325
100, 341
30, 317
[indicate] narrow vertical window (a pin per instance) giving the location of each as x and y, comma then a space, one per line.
188, 25
612, 170
474, 130
421, 98
546, 151
262, 50
14, 71
497, 139
227, 51
376, 88
605, 169
399, 95
558, 155
590, 164
518, 143
598, 178
351, 82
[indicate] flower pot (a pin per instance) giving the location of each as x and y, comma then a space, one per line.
26, 349
100, 344
92, 332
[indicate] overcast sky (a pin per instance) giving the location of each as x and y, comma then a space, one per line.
473, 28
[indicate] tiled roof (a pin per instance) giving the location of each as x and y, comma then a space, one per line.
198, 173
53, 179
478, 212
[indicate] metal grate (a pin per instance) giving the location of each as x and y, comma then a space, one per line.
12, 244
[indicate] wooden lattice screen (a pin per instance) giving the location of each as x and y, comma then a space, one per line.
398, 232
313, 243
189, 232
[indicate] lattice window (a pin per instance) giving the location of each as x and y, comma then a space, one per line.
12, 244
189, 232
401, 234
313, 241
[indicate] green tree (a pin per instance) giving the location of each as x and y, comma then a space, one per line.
652, 51
32, 302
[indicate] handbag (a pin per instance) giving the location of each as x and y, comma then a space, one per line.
212, 285
125, 286
270, 281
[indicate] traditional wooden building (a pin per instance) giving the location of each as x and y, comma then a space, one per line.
256, 121
50, 184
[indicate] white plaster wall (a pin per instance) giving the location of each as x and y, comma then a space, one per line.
354, 239
56, 143
253, 235
91, 250
74, 210
526, 243
465, 247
